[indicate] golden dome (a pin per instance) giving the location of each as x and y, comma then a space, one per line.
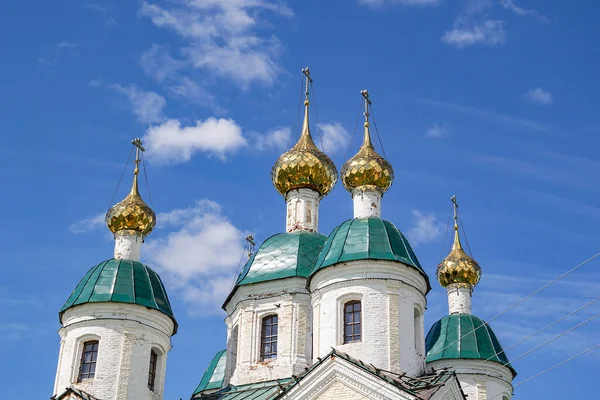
458, 267
367, 169
132, 213
304, 165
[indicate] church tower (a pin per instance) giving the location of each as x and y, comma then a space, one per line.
462, 341
118, 322
268, 311
368, 288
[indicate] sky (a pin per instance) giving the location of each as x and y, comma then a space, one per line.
495, 101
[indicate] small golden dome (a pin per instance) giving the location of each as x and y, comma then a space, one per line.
367, 169
132, 213
304, 165
458, 267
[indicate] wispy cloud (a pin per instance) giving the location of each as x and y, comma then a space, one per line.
425, 229
12, 331
511, 6
223, 36
538, 96
87, 224
147, 106
335, 138
277, 139
437, 131
68, 45
95, 7
158, 63
467, 33
487, 114
198, 258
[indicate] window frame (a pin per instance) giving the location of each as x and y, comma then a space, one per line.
347, 322
152, 367
270, 339
93, 362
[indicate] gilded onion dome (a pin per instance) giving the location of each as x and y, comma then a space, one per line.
304, 165
132, 213
458, 267
367, 170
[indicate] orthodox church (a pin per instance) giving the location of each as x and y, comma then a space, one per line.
309, 317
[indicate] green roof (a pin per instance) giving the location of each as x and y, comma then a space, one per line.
283, 255
367, 238
214, 375
121, 281
267, 390
464, 336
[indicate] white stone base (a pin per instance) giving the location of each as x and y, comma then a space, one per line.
302, 210
366, 203
459, 298
128, 245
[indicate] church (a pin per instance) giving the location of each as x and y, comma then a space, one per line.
310, 316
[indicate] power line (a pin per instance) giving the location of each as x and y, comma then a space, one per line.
520, 302
541, 330
550, 369
314, 98
120, 179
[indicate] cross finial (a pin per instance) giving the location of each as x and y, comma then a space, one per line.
251, 244
309, 80
365, 94
137, 142
455, 206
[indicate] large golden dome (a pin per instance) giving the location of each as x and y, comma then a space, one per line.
304, 165
132, 213
367, 169
458, 267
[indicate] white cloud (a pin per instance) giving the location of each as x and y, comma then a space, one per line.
511, 6
190, 90
87, 224
147, 106
403, 2
466, 33
335, 138
94, 83
200, 255
68, 45
158, 63
538, 96
171, 143
277, 139
437, 131
222, 37
425, 229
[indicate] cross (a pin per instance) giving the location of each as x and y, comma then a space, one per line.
455, 205
251, 244
306, 73
137, 142
368, 102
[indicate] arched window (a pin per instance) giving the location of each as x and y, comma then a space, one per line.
352, 321
87, 368
268, 338
152, 370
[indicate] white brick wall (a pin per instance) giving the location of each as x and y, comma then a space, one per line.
290, 301
126, 334
480, 380
389, 293
302, 210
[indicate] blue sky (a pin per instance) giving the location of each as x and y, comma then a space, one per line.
494, 101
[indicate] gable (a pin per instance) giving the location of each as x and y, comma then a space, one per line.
337, 378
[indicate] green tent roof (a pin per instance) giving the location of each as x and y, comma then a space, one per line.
282, 256
367, 238
121, 281
464, 336
214, 375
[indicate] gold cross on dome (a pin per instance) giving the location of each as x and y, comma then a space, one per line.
455, 205
365, 94
306, 73
137, 142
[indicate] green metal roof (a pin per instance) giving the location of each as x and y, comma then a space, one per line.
121, 281
214, 375
464, 336
253, 391
283, 255
367, 238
